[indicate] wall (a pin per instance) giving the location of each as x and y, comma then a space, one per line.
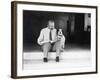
87, 21
5, 40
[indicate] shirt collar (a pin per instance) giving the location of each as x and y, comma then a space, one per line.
50, 29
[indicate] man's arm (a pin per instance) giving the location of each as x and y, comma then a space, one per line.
40, 39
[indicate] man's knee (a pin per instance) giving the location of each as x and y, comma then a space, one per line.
46, 47
56, 46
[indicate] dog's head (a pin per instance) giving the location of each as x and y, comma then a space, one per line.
60, 32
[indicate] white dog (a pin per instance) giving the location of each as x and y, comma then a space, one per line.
61, 37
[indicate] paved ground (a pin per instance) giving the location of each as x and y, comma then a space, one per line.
69, 59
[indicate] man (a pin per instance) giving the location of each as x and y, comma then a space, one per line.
48, 39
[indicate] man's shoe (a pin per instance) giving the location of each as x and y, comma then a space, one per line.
57, 59
45, 59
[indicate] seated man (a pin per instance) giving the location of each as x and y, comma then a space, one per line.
48, 39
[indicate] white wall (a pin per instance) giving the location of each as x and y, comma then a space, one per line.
87, 21
5, 40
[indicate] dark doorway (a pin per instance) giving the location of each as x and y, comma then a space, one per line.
79, 28
79, 22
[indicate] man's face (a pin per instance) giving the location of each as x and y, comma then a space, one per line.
51, 24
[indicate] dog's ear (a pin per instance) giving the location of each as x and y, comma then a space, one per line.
57, 30
62, 31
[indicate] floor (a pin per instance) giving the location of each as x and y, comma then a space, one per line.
76, 57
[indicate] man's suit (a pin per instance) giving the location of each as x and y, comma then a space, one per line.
46, 43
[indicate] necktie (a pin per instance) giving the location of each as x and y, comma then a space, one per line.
50, 35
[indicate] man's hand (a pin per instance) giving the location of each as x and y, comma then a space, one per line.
51, 41
41, 43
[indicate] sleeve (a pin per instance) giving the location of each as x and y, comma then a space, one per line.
56, 35
40, 38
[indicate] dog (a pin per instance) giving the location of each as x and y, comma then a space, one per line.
61, 37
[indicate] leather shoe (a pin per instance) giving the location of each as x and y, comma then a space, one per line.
45, 59
57, 59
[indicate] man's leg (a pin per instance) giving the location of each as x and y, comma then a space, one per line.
46, 47
57, 47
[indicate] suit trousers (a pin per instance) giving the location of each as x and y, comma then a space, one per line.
46, 47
